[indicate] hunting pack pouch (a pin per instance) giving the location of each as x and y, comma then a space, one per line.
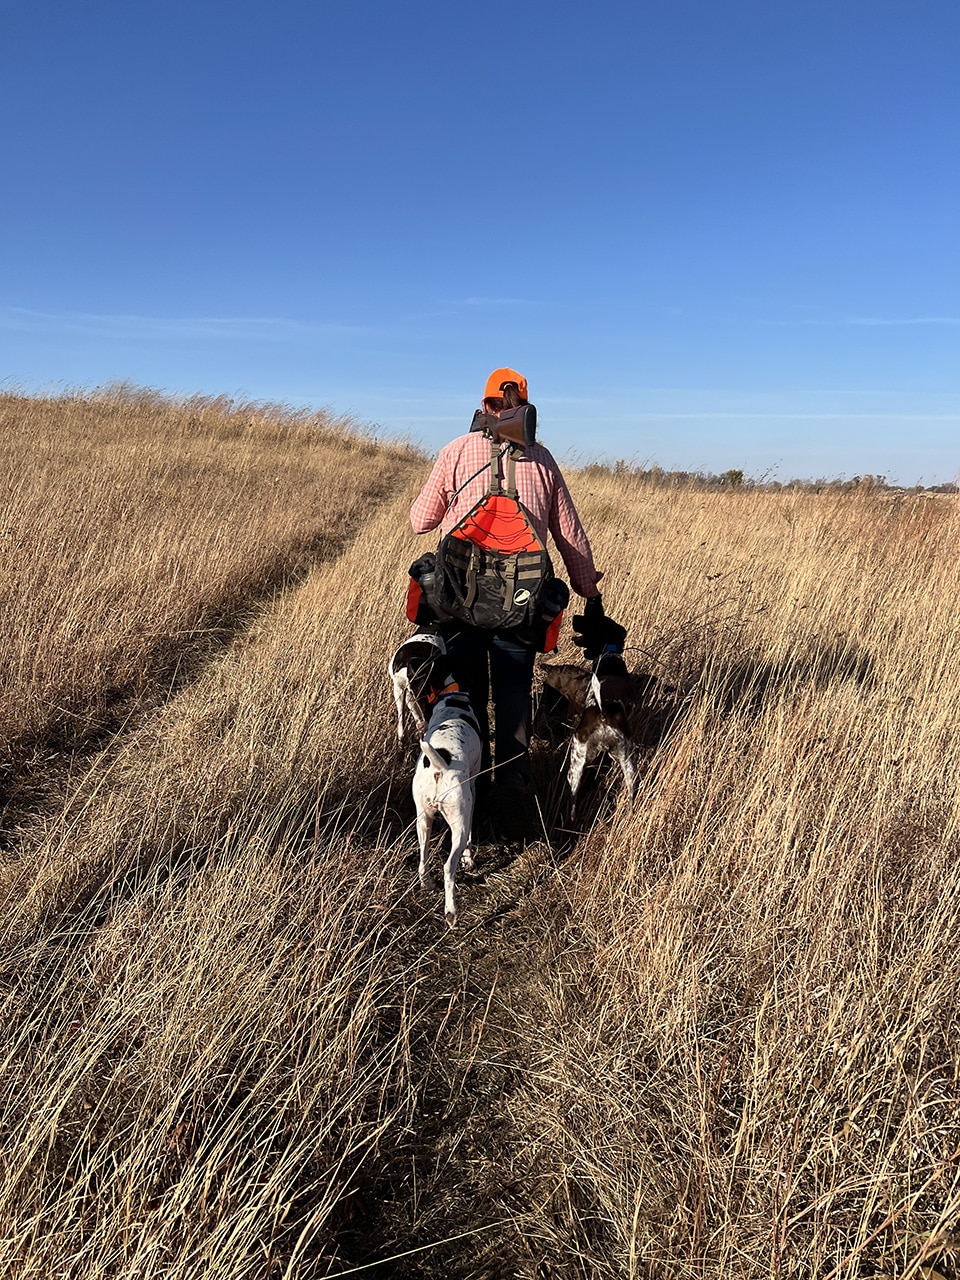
541, 631
421, 605
488, 587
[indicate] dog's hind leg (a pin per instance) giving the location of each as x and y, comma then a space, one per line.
628, 767
450, 868
416, 711
460, 846
424, 827
469, 793
581, 753
466, 861
400, 690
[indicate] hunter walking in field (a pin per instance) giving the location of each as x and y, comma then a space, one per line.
495, 493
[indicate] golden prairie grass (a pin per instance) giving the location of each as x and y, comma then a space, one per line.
133, 527
755, 1001
712, 1034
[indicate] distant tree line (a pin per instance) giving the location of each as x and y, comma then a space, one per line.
658, 477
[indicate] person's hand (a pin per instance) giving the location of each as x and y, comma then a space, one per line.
594, 631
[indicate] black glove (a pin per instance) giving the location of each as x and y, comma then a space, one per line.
594, 631
586, 626
593, 609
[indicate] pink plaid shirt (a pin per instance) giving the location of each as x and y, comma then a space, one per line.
540, 487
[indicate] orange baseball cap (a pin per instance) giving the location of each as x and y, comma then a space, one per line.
499, 377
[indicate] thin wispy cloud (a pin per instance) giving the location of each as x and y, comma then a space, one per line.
879, 320
236, 328
499, 302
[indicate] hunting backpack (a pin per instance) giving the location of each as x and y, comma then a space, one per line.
491, 570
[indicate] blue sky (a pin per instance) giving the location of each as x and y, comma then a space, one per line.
711, 235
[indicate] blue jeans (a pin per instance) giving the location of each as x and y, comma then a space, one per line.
498, 663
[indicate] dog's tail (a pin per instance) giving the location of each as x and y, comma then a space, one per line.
438, 757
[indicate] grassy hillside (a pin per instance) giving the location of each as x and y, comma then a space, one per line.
712, 1034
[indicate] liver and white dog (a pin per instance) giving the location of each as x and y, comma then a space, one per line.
604, 698
412, 670
444, 783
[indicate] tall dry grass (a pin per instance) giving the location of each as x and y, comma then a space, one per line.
208, 992
134, 532
745, 1041
712, 1034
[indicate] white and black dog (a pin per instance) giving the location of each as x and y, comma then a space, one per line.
444, 782
604, 698
412, 670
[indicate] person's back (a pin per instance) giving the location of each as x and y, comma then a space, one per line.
461, 476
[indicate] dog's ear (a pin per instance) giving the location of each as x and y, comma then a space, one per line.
569, 680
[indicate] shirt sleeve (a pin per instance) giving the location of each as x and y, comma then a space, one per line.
431, 503
572, 543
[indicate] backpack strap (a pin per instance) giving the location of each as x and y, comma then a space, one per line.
496, 485
512, 453
509, 582
510, 574
471, 579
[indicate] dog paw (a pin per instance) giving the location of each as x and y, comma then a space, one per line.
466, 862
427, 882
451, 918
